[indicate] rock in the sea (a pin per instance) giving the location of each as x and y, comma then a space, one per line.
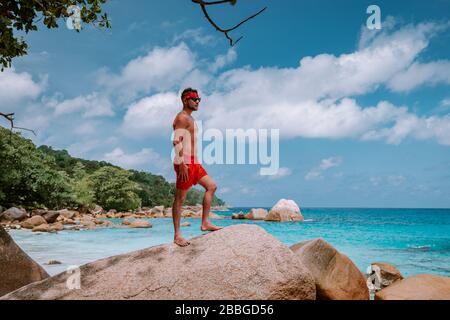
38, 212
42, 228
285, 210
188, 214
17, 269
257, 214
68, 221
140, 224
51, 216
53, 262
13, 214
88, 224
58, 226
388, 273
336, 276
213, 215
241, 262
107, 223
168, 212
157, 210
419, 287
126, 222
32, 222
68, 214
239, 215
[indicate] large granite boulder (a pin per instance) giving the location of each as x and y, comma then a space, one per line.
42, 228
13, 214
419, 287
285, 210
237, 262
32, 222
257, 214
157, 210
168, 212
140, 224
51, 216
336, 276
68, 214
38, 212
17, 269
238, 216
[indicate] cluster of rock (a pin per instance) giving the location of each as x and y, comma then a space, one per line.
40, 220
283, 210
242, 262
160, 212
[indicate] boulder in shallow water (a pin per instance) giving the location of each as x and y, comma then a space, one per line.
13, 214
240, 262
38, 212
17, 269
58, 226
419, 287
336, 276
188, 213
32, 222
257, 214
51, 216
157, 210
42, 228
285, 210
238, 216
140, 224
168, 212
68, 214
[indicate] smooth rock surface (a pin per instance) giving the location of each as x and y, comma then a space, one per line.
336, 276
418, 287
285, 210
17, 269
237, 262
13, 214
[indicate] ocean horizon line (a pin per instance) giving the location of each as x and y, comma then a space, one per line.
331, 207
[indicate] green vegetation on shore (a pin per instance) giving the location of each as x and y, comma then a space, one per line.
33, 177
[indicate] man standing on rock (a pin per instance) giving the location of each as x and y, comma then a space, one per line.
188, 170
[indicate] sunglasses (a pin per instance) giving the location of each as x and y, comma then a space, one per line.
196, 99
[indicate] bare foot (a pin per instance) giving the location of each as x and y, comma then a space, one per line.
209, 227
181, 241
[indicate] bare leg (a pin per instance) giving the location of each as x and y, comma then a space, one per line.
180, 196
210, 188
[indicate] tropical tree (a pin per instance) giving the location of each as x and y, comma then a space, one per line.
113, 189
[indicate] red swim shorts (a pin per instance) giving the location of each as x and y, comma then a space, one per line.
195, 173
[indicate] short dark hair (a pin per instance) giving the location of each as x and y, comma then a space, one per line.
188, 90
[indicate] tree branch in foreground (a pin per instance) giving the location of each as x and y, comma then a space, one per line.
203, 5
10, 118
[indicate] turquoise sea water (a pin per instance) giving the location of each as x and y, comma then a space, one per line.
415, 240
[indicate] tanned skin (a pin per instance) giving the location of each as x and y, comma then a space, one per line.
186, 144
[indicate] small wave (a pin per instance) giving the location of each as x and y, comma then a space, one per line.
420, 248
308, 220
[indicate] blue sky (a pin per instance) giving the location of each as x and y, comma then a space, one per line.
364, 115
